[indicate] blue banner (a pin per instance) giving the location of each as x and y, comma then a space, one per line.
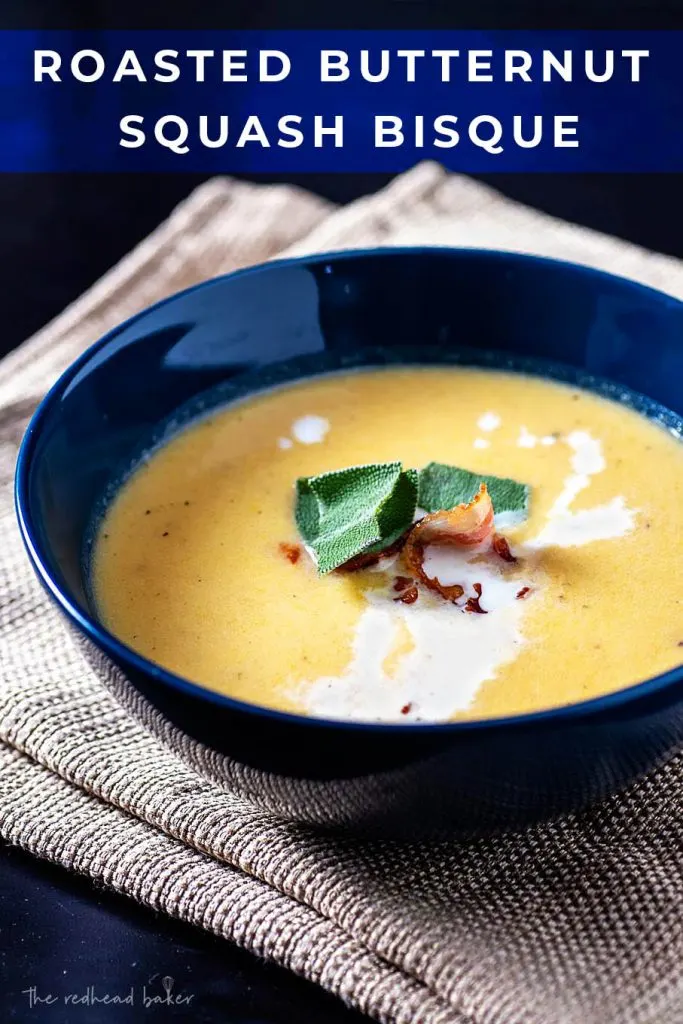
325, 101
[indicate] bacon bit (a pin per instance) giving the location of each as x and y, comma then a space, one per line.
408, 596
406, 709
473, 602
466, 525
292, 552
401, 582
368, 558
502, 548
521, 594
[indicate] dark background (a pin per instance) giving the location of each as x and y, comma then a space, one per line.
58, 234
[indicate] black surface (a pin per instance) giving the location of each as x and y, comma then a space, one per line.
61, 934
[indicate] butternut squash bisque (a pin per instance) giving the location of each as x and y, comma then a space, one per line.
224, 557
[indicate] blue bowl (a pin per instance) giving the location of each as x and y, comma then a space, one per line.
284, 320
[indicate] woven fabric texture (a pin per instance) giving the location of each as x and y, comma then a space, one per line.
576, 921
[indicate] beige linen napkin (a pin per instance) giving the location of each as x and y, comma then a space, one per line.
577, 921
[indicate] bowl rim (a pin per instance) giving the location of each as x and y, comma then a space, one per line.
124, 655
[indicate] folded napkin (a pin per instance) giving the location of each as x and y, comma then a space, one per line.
575, 921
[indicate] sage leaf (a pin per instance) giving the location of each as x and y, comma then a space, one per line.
441, 486
347, 512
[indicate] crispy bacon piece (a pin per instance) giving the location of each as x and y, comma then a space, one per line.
466, 525
369, 558
473, 602
521, 594
502, 548
292, 552
408, 596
